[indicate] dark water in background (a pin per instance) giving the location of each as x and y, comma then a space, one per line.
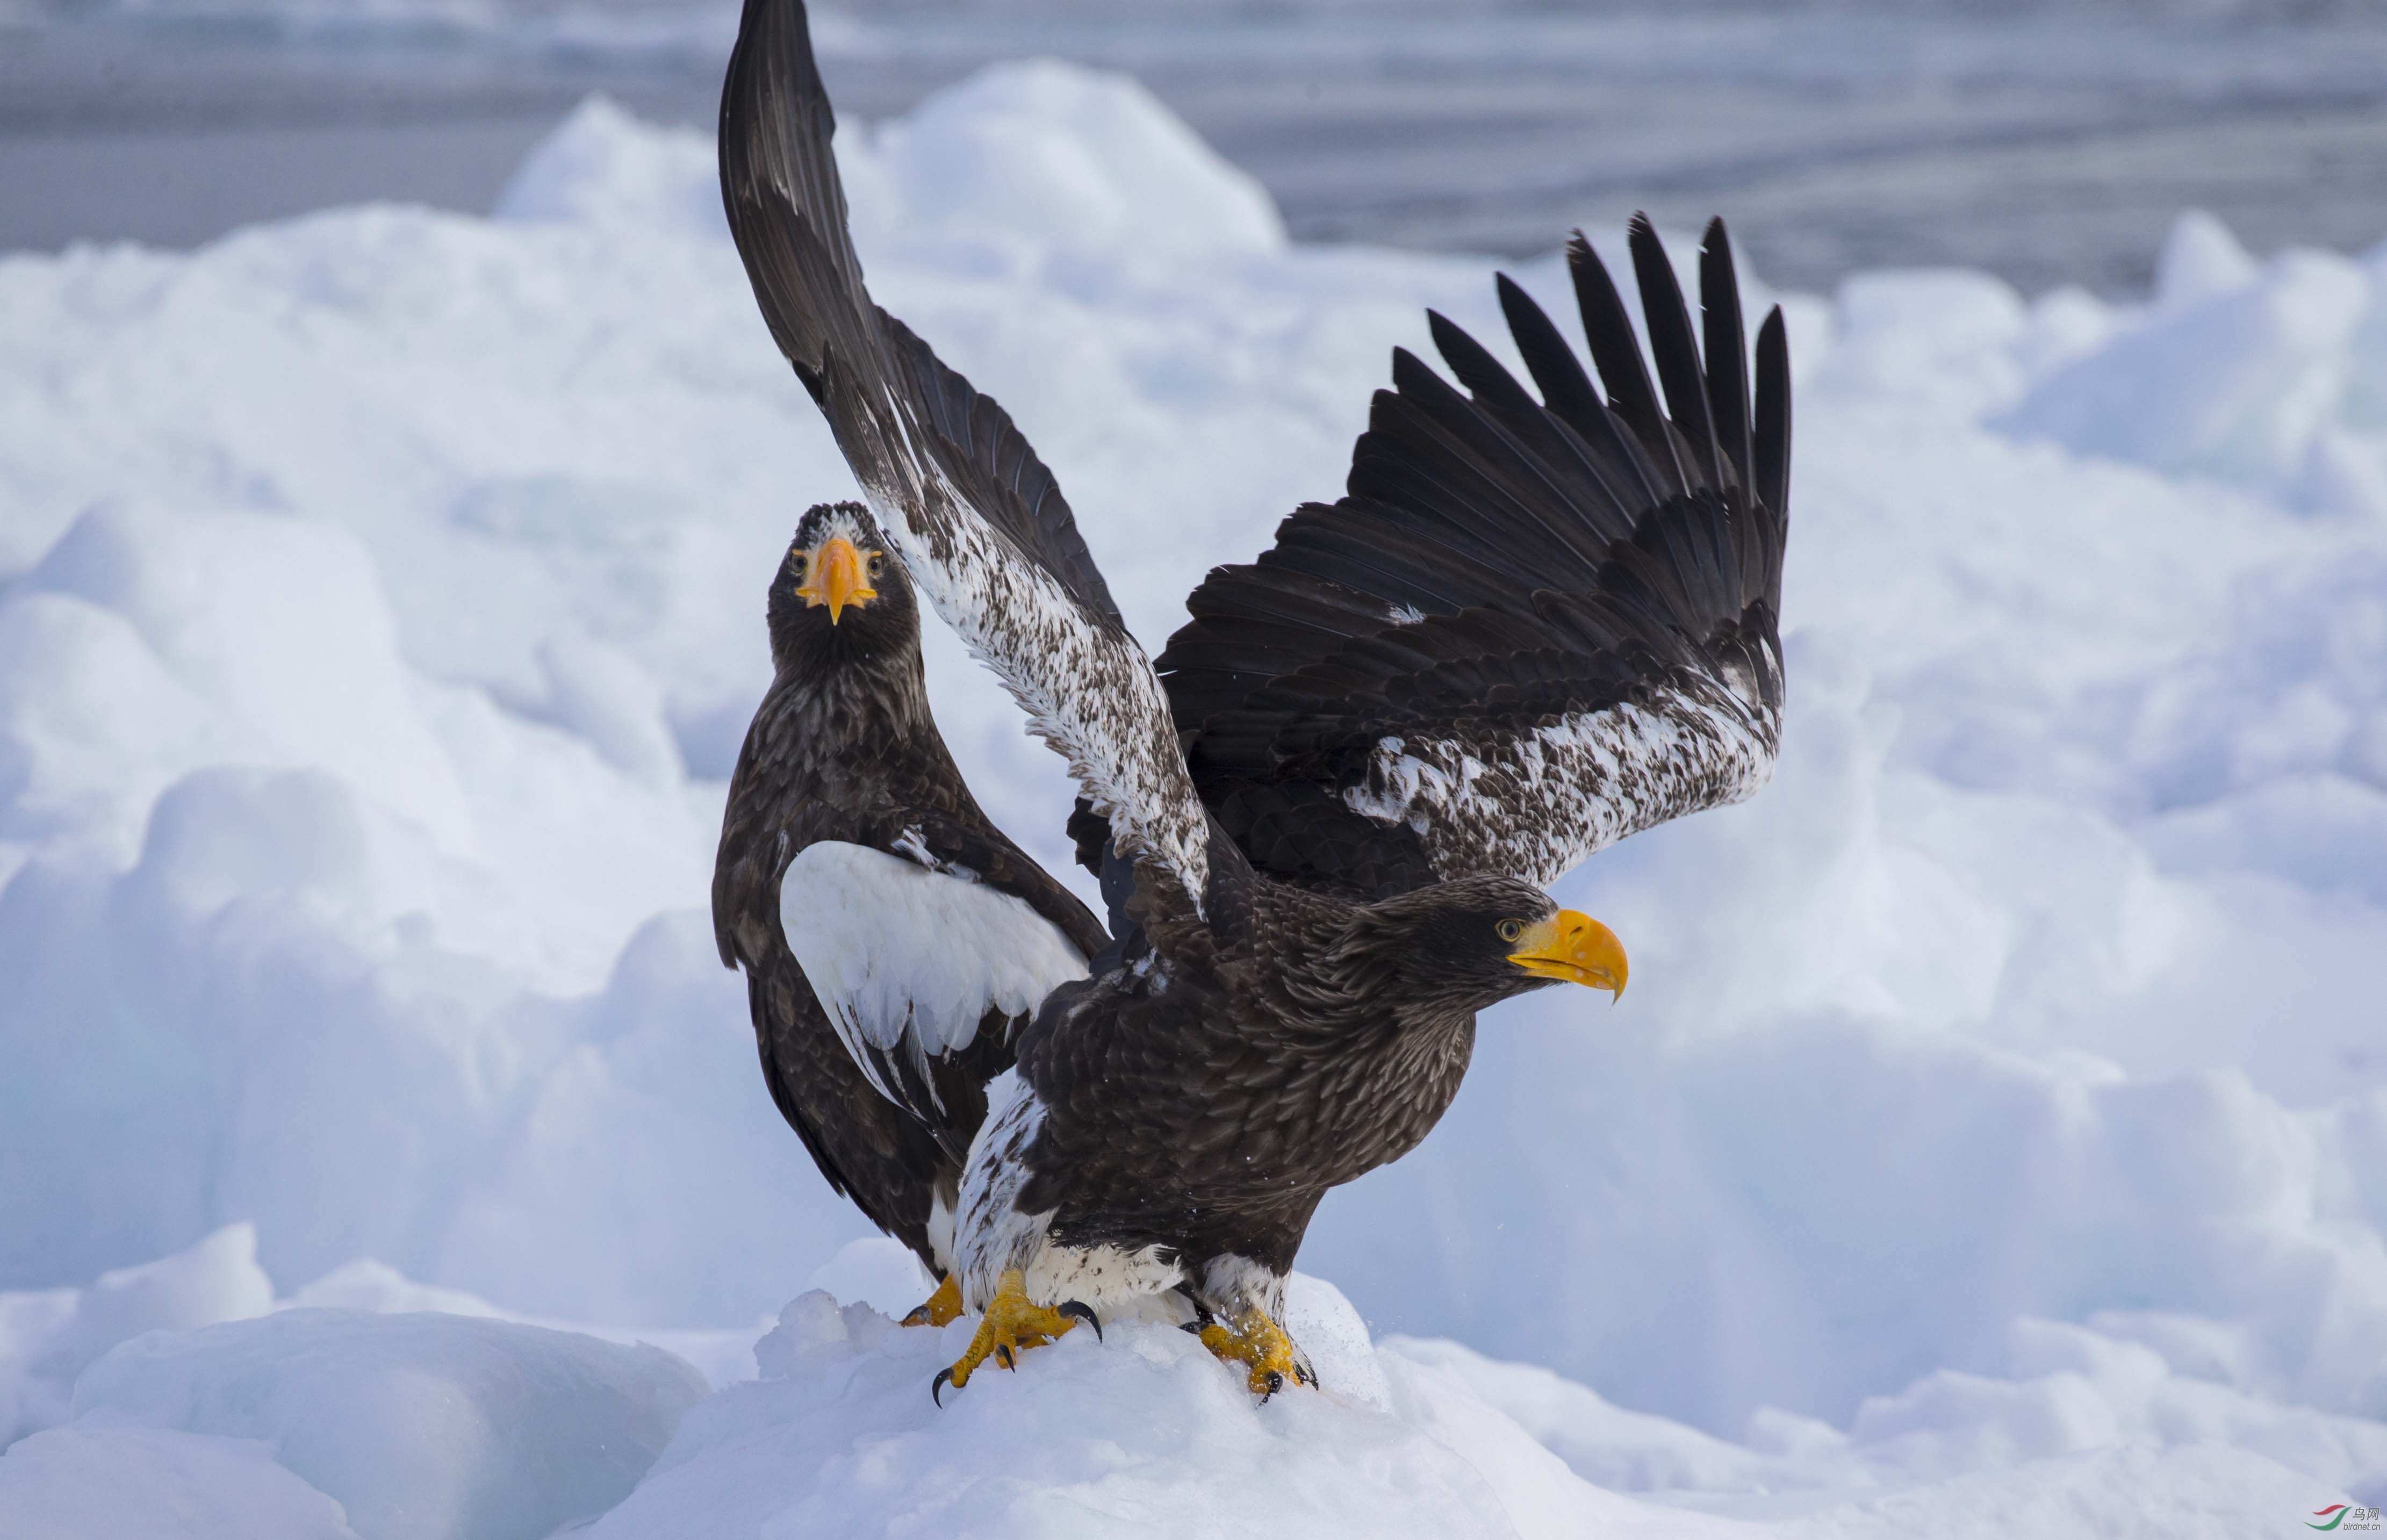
2049, 144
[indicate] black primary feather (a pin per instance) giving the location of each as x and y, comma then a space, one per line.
1616, 353
1497, 573
787, 211
1727, 354
1670, 343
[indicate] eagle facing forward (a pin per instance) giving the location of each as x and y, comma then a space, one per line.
1537, 621
893, 940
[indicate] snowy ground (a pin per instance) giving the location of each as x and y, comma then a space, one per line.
1995, 1141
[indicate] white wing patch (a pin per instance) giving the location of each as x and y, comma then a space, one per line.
908, 960
1534, 804
1090, 692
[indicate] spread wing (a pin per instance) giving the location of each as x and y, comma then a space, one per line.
1530, 627
975, 515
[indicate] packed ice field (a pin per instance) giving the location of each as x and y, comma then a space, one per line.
1993, 1140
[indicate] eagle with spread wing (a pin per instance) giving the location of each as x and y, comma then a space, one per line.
1537, 621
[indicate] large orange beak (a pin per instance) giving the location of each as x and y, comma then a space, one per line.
837, 578
1575, 948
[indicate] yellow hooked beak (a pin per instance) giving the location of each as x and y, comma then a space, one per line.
837, 576
1575, 948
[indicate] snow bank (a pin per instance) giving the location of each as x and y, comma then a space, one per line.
333, 1422
264, 964
1999, 1113
48, 1338
840, 1436
84, 1482
1017, 163
2061, 1392
180, 1399
2261, 375
1145, 1432
423, 1426
601, 166
1060, 158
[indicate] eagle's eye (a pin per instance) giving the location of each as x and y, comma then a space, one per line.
1510, 929
878, 564
801, 560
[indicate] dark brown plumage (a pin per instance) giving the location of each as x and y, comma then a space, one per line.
843, 749
1531, 628
1497, 563
1204, 1104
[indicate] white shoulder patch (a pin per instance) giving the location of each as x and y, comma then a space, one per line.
908, 960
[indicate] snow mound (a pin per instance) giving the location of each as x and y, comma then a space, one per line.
49, 1337
2061, 1392
602, 167
423, 1426
1025, 157
1144, 1432
2201, 258
2255, 375
436, 1424
1141, 1431
265, 858
1059, 156
95, 1483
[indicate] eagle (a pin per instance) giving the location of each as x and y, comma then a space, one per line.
1537, 621
893, 940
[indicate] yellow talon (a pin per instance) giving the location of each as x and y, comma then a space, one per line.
1261, 1347
1012, 1324
940, 1308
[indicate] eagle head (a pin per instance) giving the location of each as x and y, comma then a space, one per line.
840, 594
1471, 943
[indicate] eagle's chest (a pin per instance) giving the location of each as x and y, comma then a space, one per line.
1234, 1095
864, 775
1376, 1091
863, 789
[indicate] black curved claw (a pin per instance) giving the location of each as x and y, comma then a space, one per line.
937, 1386
1078, 1310
1003, 1356
1275, 1383
1192, 1328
